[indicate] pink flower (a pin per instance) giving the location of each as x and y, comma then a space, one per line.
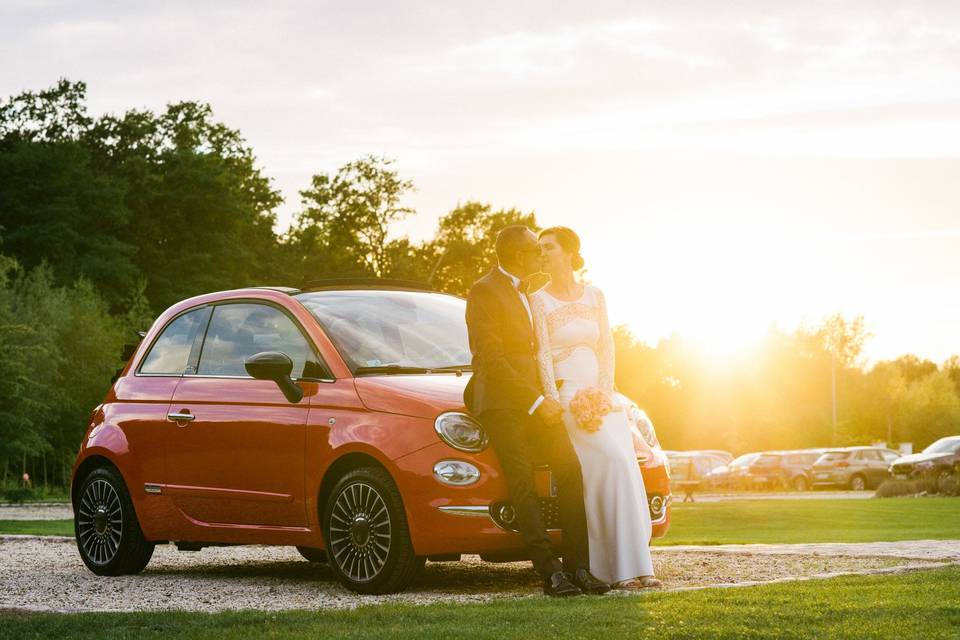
589, 406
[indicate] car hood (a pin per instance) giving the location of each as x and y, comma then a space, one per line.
421, 396
914, 458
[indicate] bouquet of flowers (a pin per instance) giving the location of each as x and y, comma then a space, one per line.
589, 406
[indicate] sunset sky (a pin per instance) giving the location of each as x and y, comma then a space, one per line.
730, 166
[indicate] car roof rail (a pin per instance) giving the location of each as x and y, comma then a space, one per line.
287, 290
333, 284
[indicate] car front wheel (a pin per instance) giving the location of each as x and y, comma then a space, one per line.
368, 541
107, 531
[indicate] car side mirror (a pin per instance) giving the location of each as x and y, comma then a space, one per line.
276, 366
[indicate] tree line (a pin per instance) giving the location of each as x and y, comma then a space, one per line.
105, 221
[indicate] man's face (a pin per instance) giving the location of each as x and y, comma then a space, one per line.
528, 256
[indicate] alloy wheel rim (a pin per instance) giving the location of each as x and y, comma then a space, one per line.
100, 522
360, 531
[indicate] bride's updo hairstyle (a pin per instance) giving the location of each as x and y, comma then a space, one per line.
569, 241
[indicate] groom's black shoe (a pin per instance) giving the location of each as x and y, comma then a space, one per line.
559, 585
590, 584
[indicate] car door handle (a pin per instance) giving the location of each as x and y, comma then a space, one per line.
181, 417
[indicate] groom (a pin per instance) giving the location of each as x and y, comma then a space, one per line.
525, 427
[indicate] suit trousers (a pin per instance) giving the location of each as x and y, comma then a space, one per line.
521, 442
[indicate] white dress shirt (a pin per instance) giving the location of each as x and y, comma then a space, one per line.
526, 305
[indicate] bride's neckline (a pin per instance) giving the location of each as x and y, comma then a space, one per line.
577, 299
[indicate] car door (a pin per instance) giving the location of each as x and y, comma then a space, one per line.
142, 400
235, 446
877, 466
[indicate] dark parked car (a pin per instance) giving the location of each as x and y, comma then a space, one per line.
938, 461
858, 468
782, 470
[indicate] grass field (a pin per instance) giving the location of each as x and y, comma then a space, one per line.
788, 521
769, 521
921, 604
38, 527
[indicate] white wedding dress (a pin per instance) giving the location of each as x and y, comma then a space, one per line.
576, 351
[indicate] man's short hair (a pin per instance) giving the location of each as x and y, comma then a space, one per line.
510, 240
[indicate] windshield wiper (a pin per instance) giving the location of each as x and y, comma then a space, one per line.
392, 369
459, 368
389, 369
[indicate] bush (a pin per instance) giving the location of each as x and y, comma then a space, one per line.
17, 495
923, 486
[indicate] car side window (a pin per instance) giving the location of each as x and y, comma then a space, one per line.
171, 351
238, 331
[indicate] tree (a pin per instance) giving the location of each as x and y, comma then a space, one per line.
55, 203
463, 248
344, 226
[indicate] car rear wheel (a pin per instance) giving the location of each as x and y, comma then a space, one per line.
368, 541
800, 483
858, 483
108, 534
313, 555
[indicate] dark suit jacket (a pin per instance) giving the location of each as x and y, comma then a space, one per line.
503, 346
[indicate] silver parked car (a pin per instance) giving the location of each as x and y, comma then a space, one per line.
856, 468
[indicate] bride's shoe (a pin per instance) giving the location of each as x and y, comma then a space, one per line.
636, 584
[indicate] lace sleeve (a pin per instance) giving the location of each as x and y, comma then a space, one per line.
605, 348
544, 358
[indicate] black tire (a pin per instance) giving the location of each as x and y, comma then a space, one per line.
368, 541
106, 528
800, 484
314, 555
858, 482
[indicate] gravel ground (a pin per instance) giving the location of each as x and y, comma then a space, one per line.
47, 574
48, 511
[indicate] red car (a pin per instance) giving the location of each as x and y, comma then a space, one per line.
331, 419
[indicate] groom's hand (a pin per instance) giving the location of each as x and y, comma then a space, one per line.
550, 411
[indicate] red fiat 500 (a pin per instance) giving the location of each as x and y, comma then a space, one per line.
331, 419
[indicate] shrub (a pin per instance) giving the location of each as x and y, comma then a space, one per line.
895, 488
17, 495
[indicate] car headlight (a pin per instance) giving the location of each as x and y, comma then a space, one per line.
461, 432
456, 473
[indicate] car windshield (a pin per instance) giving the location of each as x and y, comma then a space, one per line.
744, 460
945, 445
408, 330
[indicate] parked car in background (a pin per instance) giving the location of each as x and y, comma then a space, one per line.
938, 461
330, 419
782, 469
725, 456
733, 475
690, 469
856, 468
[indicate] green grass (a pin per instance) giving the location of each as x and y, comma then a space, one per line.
788, 521
737, 522
38, 527
914, 605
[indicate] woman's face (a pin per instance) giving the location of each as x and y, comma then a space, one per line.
552, 256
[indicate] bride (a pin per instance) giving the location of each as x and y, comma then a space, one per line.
575, 354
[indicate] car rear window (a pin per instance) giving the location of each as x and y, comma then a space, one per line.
171, 351
835, 456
